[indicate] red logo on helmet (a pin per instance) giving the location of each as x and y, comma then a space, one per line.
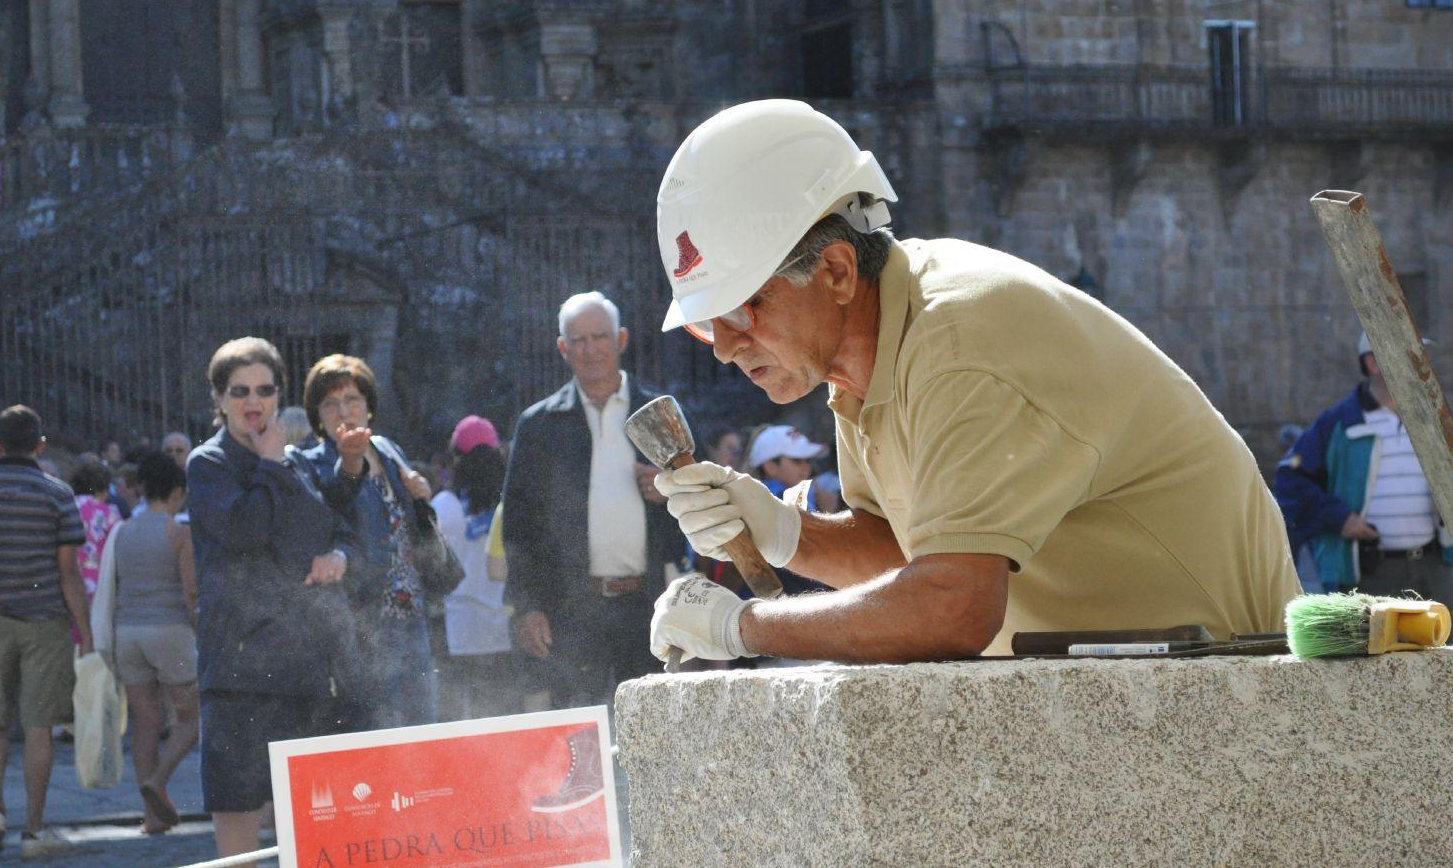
690, 256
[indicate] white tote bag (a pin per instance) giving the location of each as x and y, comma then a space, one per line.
100, 702
100, 722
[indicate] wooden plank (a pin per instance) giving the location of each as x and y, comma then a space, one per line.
1378, 297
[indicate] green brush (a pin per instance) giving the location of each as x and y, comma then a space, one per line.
1344, 625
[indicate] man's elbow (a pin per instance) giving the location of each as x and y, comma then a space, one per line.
967, 605
969, 628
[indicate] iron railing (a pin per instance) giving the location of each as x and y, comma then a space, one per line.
1287, 99
107, 325
54, 165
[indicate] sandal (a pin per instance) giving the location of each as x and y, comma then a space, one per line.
158, 803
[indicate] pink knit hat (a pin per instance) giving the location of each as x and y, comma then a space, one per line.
473, 431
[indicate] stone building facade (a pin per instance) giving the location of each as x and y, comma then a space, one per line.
422, 182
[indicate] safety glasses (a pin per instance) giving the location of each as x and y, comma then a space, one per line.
742, 318
739, 319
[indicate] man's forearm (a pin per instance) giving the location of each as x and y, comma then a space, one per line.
845, 549
940, 607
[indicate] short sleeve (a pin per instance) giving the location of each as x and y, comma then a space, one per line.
495, 545
449, 513
70, 530
991, 472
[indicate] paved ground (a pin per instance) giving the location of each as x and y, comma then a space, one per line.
104, 825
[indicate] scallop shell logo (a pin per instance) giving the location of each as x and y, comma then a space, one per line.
361, 791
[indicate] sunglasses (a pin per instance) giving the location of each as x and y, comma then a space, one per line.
267, 390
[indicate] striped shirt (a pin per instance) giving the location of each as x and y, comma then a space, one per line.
37, 517
1401, 507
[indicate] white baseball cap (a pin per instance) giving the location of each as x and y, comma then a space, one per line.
1364, 344
782, 441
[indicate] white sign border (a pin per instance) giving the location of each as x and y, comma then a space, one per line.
279, 752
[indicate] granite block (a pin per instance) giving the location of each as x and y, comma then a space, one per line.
1211, 761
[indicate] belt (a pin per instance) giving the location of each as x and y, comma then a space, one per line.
1409, 554
615, 586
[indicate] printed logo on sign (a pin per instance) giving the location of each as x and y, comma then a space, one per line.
322, 802
361, 791
322, 796
398, 802
690, 256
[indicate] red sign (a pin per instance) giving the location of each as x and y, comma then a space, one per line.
529, 791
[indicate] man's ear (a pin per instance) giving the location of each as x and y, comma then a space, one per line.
40, 448
840, 262
560, 345
623, 338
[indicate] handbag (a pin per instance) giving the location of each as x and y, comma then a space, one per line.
439, 568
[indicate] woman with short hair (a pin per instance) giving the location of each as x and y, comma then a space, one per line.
156, 643
367, 479
276, 650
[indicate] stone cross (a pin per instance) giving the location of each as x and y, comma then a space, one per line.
405, 42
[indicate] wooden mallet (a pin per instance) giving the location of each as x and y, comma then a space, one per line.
660, 431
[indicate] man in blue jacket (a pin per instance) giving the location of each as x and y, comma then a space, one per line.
1352, 488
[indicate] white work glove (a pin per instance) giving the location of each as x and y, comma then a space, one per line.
713, 503
701, 618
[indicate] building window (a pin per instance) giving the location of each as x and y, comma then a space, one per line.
1229, 43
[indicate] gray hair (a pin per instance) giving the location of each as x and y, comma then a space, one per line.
580, 301
872, 248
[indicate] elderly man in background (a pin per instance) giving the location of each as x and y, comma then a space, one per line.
587, 537
1014, 455
177, 446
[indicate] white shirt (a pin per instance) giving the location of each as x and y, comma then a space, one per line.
617, 515
475, 618
1401, 507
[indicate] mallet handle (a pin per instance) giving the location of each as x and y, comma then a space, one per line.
759, 575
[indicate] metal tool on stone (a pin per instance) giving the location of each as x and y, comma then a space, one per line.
660, 431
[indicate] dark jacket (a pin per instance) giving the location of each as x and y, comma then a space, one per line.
370, 520
256, 527
546, 511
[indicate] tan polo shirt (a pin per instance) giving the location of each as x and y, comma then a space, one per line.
1011, 414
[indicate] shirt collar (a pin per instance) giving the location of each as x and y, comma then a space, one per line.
621, 394
22, 460
893, 288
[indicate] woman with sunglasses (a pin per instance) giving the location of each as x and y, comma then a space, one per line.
367, 479
276, 649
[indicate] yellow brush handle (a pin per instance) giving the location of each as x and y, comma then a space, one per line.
1407, 625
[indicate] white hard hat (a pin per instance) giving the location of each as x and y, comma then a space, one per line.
743, 189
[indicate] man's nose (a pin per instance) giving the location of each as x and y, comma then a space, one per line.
726, 341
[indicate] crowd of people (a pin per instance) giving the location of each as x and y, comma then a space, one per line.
303, 577
274, 581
